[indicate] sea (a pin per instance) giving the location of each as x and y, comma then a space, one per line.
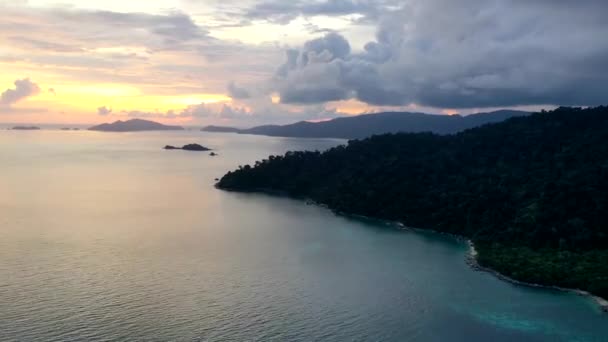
108, 237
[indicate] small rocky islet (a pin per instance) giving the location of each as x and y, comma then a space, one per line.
191, 147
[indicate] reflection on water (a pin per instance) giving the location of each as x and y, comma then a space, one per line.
109, 237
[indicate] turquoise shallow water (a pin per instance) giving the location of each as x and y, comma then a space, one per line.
107, 237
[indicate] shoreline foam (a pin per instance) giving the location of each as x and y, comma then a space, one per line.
473, 263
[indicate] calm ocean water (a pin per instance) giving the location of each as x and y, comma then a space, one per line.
107, 237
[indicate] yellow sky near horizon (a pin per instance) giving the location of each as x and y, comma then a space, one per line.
78, 101
64, 55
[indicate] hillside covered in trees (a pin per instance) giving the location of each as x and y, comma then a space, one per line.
531, 192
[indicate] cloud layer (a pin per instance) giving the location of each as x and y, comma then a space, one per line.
164, 52
23, 89
236, 92
324, 57
465, 54
103, 111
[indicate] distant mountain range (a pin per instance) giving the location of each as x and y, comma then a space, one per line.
362, 126
134, 125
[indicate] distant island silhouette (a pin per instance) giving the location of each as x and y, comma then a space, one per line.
189, 147
221, 129
366, 125
134, 125
25, 128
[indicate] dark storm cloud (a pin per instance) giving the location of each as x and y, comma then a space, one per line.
463, 54
236, 92
335, 44
23, 89
315, 74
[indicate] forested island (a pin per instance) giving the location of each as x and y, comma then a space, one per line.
530, 192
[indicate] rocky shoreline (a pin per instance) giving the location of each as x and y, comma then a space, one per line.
471, 260
473, 263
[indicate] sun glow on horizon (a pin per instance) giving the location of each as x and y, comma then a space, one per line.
79, 101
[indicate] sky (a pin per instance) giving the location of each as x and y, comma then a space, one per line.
249, 62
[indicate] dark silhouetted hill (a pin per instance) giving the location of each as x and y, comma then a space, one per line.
134, 125
363, 126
